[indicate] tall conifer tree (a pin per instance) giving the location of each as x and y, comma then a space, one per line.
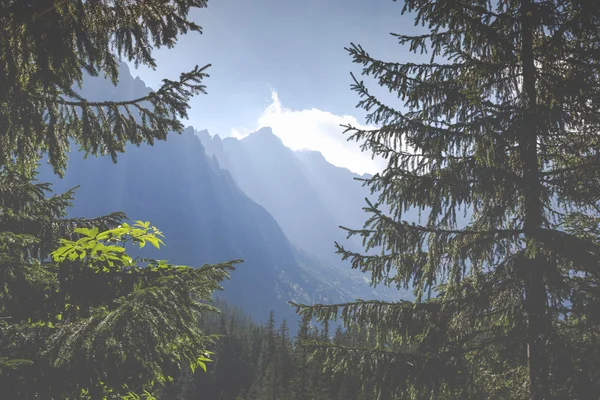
100, 325
500, 124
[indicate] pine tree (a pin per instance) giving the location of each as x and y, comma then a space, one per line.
45, 48
300, 381
285, 363
500, 125
102, 325
30, 223
270, 327
319, 380
271, 355
87, 320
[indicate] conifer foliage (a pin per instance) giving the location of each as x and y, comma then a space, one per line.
262, 362
47, 46
79, 317
87, 320
500, 124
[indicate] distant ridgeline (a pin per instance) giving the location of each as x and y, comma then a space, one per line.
207, 218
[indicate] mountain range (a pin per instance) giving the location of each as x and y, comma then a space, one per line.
309, 197
221, 199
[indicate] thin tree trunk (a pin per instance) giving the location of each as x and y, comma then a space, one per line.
535, 288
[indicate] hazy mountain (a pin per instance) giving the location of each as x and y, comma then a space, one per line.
343, 195
309, 197
205, 216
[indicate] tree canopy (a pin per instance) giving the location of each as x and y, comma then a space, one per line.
495, 142
48, 46
88, 320
79, 316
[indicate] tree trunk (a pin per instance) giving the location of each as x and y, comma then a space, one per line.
535, 287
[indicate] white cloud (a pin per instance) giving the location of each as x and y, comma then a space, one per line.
318, 130
236, 133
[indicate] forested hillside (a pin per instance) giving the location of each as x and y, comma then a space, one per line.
267, 361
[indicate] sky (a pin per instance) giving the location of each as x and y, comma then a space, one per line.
282, 64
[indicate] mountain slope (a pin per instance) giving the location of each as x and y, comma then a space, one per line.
205, 216
309, 197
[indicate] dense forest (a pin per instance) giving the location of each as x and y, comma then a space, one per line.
493, 139
268, 361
